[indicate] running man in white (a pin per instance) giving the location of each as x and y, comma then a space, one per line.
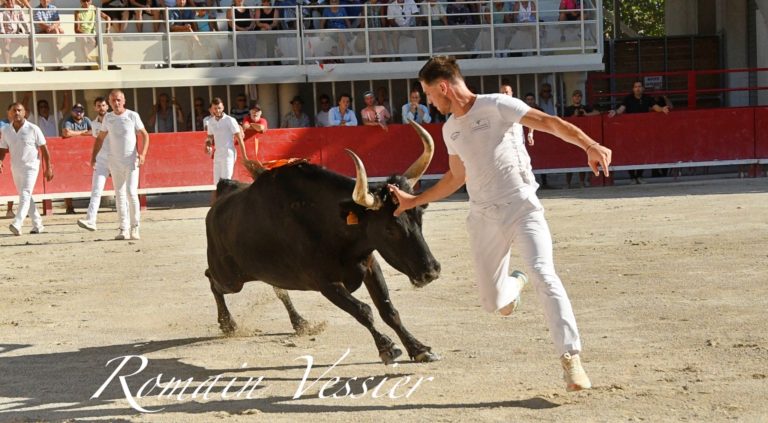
123, 126
487, 154
100, 170
222, 131
25, 141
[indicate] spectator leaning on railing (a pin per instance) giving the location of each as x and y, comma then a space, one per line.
296, 118
638, 102
48, 21
85, 23
414, 110
322, 118
373, 114
343, 115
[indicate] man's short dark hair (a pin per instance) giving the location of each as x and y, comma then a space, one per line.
216, 101
14, 104
342, 95
440, 67
99, 99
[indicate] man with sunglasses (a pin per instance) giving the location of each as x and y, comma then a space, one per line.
76, 125
241, 109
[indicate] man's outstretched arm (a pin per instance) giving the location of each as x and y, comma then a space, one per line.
447, 185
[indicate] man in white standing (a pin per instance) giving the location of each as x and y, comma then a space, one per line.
222, 131
123, 126
25, 141
100, 170
485, 153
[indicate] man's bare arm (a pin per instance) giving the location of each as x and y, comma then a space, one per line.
447, 185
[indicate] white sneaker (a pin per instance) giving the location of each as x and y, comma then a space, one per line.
120, 235
510, 308
135, 232
574, 375
86, 225
14, 230
38, 230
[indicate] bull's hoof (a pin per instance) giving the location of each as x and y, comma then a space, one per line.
228, 327
426, 357
305, 328
389, 357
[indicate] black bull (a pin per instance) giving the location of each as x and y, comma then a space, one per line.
301, 227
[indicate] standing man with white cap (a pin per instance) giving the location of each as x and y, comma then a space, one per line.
25, 141
123, 125
222, 131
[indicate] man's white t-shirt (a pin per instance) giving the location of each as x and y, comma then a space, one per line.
121, 140
103, 155
23, 145
223, 131
492, 151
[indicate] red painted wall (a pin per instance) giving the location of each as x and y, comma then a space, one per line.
179, 160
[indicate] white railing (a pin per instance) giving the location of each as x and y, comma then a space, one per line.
303, 35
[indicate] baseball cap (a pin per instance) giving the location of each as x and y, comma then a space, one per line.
78, 108
256, 107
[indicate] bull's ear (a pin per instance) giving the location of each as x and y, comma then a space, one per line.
351, 213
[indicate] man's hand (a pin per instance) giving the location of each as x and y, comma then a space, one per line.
403, 200
48, 174
208, 149
599, 155
530, 137
142, 159
1, 167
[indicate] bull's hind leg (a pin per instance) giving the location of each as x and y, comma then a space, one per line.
226, 323
338, 294
300, 325
374, 281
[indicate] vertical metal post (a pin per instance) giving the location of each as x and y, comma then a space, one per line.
32, 39
234, 43
583, 34
299, 45
367, 35
192, 109
168, 38
429, 30
173, 109
99, 41
493, 29
55, 114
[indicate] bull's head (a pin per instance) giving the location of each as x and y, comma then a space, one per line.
399, 240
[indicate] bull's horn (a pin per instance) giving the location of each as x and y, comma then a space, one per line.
361, 194
421, 164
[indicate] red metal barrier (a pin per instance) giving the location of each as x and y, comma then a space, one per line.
761, 133
550, 152
72, 171
681, 136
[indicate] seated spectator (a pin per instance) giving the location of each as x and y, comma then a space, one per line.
48, 21
376, 19
47, 122
267, 17
638, 102
240, 19
161, 119
240, 110
401, 14
373, 114
12, 21
576, 108
524, 12
296, 118
149, 8
343, 115
434, 11
205, 21
181, 18
414, 110
85, 23
287, 10
322, 118
459, 13
201, 115
353, 9
76, 125
254, 123
119, 18
334, 17
570, 10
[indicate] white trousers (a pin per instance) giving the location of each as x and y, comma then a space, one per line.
24, 178
493, 229
126, 182
223, 167
100, 175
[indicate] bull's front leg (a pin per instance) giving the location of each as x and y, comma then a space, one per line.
338, 294
377, 287
226, 323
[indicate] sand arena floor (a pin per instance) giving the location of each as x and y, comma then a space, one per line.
669, 283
